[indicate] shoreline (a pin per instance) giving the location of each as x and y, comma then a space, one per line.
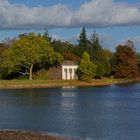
29, 135
25, 84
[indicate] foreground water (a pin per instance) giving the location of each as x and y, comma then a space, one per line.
100, 113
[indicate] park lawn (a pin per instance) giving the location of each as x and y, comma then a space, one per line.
36, 83
59, 83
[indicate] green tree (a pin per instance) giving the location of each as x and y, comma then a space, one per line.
3, 47
66, 49
47, 36
101, 57
107, 56
61, 47
96, 48
27, 51
95, 45
125, 62
87, 69
82, 43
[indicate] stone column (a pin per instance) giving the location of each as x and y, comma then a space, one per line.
72, 73
68, 74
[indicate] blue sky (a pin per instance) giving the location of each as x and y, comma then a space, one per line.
67, 2
114, 20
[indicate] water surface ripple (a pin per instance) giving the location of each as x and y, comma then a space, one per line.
92, 113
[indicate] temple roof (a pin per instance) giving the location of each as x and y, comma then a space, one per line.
68, 62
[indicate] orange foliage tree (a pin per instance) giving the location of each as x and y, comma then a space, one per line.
70, 56
125, 62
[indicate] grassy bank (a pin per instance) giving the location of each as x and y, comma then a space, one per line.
53, 83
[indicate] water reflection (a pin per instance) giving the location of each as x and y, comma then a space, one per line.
102, 113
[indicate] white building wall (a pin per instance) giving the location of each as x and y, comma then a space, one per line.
69, 75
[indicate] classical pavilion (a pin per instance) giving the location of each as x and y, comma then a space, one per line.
65, 71
69, 69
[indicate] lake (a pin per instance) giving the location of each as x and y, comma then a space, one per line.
92, 113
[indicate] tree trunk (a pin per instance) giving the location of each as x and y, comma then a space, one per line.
31, 73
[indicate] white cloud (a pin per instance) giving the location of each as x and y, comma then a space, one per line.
95, 13
101, 13
21, 16
57, 37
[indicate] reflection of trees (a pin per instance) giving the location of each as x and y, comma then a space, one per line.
32, 97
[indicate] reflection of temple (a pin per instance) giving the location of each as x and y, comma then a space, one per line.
69, 70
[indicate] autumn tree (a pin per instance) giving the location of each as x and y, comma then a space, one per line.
70, 56
125, 62
138, 56
27, 51
87, 69
66, 49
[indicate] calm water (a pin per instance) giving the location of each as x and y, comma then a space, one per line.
100, 113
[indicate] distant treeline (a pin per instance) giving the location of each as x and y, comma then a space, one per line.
30, 56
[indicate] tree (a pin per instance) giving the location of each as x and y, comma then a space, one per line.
96, 48
27, 51
83, 42
107, 56
66, 49
138, 56
87, 69
61, 47
100, 56
125, 62
5, 44
95, 43
47, 36
3, 47
70, 56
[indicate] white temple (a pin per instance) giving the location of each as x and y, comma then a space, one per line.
69, 69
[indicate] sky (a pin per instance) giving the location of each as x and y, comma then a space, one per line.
115, 21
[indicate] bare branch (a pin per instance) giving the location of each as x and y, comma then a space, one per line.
24, 73
24, 66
